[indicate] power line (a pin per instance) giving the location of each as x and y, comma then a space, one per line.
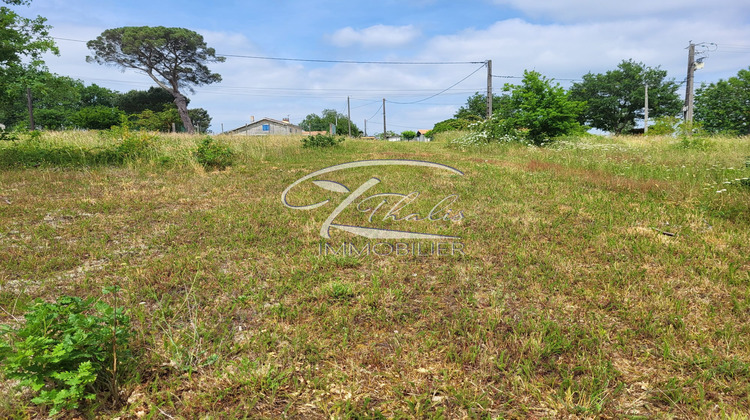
318, 60
376, 112
314, 60
441, 92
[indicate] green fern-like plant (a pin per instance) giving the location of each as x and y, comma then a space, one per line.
67, 352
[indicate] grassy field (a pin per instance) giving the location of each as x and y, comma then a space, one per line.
601, 277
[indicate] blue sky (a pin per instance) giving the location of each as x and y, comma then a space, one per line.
560, 39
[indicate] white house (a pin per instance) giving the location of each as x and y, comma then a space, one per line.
265, 127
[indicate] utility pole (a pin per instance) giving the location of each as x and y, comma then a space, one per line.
645, 112
349, 115
384, 130
489, 89
365, 127
29, 104
688, 109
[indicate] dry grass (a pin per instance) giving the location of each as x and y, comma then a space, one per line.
604, 277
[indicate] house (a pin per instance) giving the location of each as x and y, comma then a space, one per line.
422, 135
266, 126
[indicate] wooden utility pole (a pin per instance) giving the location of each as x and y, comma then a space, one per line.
384, 130
489, 89
645, 112
29, 104
349, 115
688, 109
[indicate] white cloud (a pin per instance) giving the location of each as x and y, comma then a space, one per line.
380, 36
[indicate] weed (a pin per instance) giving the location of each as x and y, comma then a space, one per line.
695, 142
68, 351
321, 140
213, 155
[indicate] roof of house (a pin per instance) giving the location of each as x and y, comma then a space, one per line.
422, 131
262, 120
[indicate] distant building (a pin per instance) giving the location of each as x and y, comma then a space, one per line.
422, 135
265, 127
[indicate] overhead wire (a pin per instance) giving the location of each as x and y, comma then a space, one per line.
442, 91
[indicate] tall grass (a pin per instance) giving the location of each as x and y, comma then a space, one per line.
604, 277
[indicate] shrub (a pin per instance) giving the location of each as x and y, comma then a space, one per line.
213, 155
664, 126
495, 130
452, 125
96, 117
7, 135
128, 144
321, 140
408, 135
67, 352
693, 136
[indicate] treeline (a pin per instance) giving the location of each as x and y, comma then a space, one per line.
62, 103
613, 102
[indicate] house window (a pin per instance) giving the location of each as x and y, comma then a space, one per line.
266, 127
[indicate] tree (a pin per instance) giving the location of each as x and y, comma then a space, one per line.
23, 37
200, 119
97, 117
55, 98
476, 106
724, 106
314, 122
22, 43
174, 58
537, 110
95, 95
408, 134
137, 101
615, 99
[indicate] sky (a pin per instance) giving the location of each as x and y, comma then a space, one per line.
561, 39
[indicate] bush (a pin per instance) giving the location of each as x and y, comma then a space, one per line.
67, 352
664, 126
408, 135
692, 136
128, 145
7, 135
124, 145
213, 155
321, 140
97, 117
452, 125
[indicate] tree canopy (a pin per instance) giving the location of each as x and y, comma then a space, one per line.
476, 106
616, 99
314, 122
724, 106
137, 101
538, 110
23, 37
174, 58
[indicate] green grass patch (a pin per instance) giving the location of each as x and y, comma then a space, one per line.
601, 276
